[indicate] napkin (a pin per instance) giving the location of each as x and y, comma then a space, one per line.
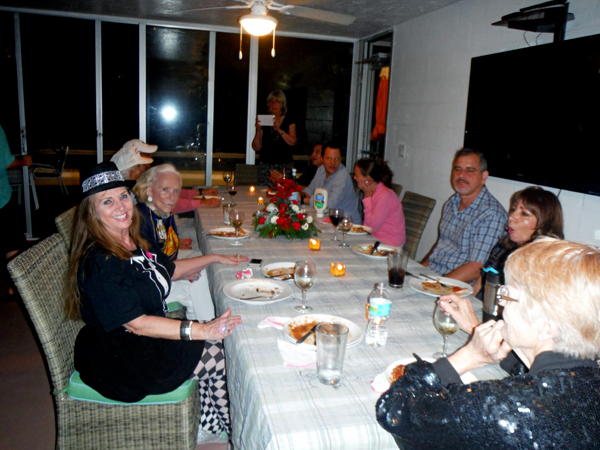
275, 322
382, 384
296, 355
246, 273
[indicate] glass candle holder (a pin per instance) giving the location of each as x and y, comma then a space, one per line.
261, 201
314, 244
252, 189
337, 269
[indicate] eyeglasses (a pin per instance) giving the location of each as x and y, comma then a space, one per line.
501, 294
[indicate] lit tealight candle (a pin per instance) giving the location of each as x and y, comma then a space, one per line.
314, 244
338, 269
252, 189
261, 201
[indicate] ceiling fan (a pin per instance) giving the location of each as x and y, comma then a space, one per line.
259, 23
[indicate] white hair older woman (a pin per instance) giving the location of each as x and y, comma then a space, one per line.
118, 283
552, 321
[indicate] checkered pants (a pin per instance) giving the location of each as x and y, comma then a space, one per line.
212, 380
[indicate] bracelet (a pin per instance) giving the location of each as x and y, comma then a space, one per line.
185, 331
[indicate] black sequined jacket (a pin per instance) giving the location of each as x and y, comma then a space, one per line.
555, 405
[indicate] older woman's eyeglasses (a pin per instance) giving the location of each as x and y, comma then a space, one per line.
502, 294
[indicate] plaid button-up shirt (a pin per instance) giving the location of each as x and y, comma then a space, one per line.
470, 234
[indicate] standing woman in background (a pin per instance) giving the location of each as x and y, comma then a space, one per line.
274, 143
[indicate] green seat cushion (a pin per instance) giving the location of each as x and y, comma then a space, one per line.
78, 390
174, 306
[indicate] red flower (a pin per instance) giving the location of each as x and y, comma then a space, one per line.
262, 220
280, 221
300, 216
296, 226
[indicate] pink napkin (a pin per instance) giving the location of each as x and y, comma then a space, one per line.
246, 273
275, 322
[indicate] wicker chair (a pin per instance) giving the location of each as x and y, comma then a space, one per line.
246, 175
397, 189
40, 275
64, 225
417, 209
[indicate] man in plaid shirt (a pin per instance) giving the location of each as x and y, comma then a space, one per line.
472, 221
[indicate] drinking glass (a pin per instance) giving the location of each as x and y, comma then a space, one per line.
237, 219
227, 177
232, 189
345, 225
335, 214
305, 275
445, 325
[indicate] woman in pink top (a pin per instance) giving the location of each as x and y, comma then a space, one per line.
383, 209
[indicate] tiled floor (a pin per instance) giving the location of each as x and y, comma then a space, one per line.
26, 409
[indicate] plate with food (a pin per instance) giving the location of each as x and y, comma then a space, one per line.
435, 288
359, 229
228, 233
281, 270
297, 327
257, 291
381, 253
207, 197
396, 370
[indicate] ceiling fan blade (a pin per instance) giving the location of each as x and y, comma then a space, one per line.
318, 14
206, 9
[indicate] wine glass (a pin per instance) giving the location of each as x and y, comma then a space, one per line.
345, 225
305, 275
237, 219
445, 325
227, 177
335, 214
232, 189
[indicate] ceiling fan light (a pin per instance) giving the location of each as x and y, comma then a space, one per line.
258, 24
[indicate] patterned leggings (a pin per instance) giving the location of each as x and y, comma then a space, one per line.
213, 389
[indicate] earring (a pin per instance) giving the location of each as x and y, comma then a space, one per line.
150, 198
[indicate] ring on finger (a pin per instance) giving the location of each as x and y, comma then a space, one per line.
223, 330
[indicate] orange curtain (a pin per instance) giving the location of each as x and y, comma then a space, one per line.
381, 107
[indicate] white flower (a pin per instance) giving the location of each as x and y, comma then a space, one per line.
271, 207
274, 219
295, 208
309, 219
305, 226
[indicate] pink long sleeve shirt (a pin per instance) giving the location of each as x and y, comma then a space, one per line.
383, 212
186, 201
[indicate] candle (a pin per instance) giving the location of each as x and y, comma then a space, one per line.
261, 201
252, 189
337, 269
314, 244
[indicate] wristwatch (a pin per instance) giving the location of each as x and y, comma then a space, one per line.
185, 332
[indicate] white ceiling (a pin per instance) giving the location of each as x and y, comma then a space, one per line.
372, 16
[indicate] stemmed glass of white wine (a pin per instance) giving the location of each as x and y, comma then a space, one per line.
445, 325
227, 177
305, 275
237, 219
345, 225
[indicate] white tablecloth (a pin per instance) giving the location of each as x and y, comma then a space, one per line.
274, 406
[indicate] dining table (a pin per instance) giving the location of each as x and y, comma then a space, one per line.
277, 406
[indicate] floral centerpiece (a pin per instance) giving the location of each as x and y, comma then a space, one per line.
282, 216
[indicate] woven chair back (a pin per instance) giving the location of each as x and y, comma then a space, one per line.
246, 175
64, 225
417, 210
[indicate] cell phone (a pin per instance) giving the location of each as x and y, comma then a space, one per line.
255, 262
266, 120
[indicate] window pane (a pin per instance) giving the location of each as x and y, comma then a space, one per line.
120, 85
59, 83
315, 77
177, 84
9, 113
231, 102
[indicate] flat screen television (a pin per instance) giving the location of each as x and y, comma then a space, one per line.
535, 114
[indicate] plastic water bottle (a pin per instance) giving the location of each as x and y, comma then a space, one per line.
379, 306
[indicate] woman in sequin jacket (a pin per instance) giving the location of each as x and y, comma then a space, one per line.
554, 328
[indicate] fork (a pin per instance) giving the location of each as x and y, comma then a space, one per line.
260, 296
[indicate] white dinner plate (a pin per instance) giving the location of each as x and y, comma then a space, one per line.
358, 230
355, 333
362, 250
246, 234
417, 285
466, 378
279, 265
243, 290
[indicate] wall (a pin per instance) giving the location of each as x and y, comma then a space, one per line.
428, 100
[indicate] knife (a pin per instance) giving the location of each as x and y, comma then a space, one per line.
438, 281
305, 337
375, 247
